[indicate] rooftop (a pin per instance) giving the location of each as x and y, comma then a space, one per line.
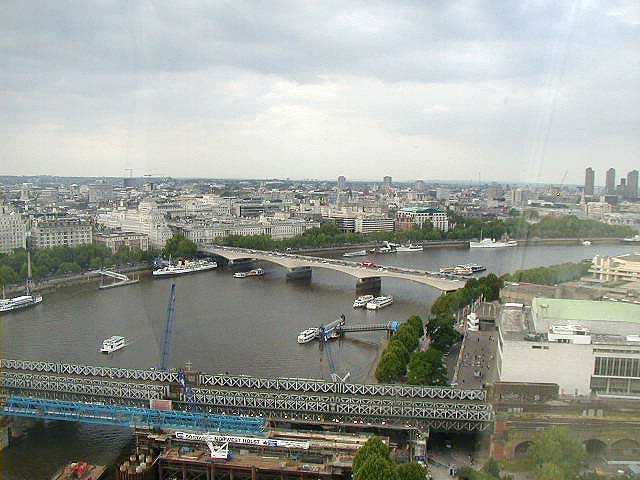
577, 311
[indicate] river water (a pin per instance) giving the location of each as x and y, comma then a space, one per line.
222, 324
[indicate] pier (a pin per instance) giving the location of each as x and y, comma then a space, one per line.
119, 279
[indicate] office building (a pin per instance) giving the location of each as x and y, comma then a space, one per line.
60, 232
419, 186
631, 192
610, 182
585, 347
410, 217
117, 240
589, 181
12, 230
100, 192
147, 219
387, 180
342, 183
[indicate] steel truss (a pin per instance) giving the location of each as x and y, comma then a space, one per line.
129, 416
250, 382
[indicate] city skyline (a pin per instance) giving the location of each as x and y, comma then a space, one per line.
402, 89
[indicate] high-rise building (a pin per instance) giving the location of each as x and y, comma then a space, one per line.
387, 181
589, 177
342, 183
610, 183
631, 192
419, 187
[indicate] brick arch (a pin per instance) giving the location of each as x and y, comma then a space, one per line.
595, 447
521, 450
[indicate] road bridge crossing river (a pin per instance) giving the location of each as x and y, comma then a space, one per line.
292, 261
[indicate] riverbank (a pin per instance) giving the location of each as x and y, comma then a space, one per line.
463, 244
84, 278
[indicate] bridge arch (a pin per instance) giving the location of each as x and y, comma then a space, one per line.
595, 447
522, 449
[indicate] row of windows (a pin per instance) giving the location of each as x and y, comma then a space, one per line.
626, 386
617, 367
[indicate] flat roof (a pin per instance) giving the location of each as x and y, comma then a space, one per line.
575, 311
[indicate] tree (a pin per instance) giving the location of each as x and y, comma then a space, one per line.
180, 247
68, 267
492, 467
374, 447
427, 368
411, 471
557, 450
376, 468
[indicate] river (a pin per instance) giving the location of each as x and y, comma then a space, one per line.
222, 324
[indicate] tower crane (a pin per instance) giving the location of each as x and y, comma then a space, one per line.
166, 347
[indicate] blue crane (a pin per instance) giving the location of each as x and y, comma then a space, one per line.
324, 342
166, 341
166, 346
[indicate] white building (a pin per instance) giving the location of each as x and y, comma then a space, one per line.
147, 219
586, 347
213, 232
370, 224
100, 192
61, 232
409, 217
12, 230
621, 268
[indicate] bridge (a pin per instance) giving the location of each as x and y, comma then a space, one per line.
274, 400
368, 277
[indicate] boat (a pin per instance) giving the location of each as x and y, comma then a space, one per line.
383, 249
474, 267
185, 266
309, 334
492, 243
362, 301
586, 243
634, 239
18, 303
379, 302
409, 248
112, 344
359, 253
256, 272
80, 471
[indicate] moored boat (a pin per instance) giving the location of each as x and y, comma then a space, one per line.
185, 266
379, 302
492, 243
309, 334
634, 239
362, 301
18, 303
409, 248
359, 253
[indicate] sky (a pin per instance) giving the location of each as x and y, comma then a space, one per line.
498, 90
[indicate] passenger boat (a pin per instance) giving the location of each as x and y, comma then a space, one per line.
307, 335
185, 266
256, 272
634, 239
492, 243
586, 243
409, 248
473, 267
112, 344
18, 303
362, 301
80, 471
359, 253
379, 302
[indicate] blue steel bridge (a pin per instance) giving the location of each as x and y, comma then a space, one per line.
230, 403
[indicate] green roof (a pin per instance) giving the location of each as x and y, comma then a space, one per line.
588, 310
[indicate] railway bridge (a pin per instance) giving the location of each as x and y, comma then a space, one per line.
368, 278
276, 400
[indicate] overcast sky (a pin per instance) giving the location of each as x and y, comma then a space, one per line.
513, 91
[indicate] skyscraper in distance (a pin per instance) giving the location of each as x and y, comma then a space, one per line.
610, 182
342, 182
631, 192
387, 181
589, 177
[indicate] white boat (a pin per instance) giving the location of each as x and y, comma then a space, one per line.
586, 243
409, 248
185, 266
491, 243
112, 344
359, 253
474, 267
634, 239
379, 302
307, 335
256, 272
362, 301
17, 303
